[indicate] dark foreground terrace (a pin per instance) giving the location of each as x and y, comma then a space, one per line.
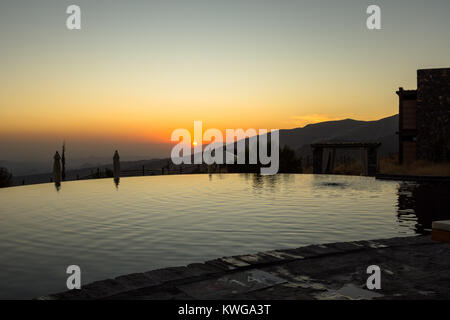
411, 268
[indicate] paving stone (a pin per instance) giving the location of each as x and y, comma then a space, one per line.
170, 274
252, 259
344, 247
159, 293
259, 258
49, 297
218, 263
94, 290
200, 269
277, 292
405, 241
311, 251
138, 280
283, 256
235, 262
74, 295
163, 295
233, 283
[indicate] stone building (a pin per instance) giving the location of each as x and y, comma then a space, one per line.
424, 118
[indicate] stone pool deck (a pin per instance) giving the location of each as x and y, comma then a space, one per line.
411, 268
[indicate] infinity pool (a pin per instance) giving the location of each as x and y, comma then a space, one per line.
161, 221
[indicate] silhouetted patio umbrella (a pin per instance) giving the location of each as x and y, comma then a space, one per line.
57, 169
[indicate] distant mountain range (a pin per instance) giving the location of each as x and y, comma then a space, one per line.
383, 130
298, 139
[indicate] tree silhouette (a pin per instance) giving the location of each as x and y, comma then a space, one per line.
289, 162
5, 178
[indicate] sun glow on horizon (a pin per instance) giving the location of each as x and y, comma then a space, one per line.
116, 84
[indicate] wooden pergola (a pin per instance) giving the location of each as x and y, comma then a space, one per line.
369, 156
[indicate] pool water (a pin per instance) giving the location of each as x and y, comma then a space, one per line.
160, 221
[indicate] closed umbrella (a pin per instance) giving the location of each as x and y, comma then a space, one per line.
116, 167
57, 169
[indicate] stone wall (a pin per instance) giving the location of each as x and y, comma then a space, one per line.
433, 114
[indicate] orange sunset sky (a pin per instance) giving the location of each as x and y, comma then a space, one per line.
137, 70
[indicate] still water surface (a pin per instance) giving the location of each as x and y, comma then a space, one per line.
161, 221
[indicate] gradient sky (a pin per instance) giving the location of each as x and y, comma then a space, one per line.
140, 69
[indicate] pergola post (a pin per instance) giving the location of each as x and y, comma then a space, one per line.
364, 164
317, 160
333, 159
372, 161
